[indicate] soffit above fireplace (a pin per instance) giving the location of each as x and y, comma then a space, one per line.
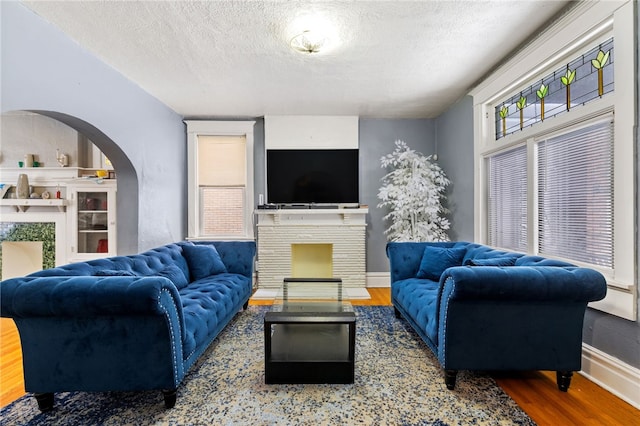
310, 132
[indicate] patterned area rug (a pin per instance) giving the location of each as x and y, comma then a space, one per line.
398, 382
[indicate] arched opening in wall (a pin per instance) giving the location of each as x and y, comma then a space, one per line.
49, 133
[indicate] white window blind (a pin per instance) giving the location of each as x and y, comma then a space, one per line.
507, 202
221, 161
222, 182
575, 195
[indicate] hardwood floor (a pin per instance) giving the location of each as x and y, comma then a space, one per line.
535, 392
11, 377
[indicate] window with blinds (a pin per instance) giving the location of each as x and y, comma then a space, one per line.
559, 99
221, 180
575, 195
507, 199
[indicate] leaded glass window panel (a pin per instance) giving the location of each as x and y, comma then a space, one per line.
582, 80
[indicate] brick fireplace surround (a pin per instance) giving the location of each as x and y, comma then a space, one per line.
338, 232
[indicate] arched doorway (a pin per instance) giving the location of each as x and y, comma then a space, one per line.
127, 194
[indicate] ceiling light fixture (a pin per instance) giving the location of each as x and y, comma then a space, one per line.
308, 42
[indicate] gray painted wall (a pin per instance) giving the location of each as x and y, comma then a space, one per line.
44, 70
377, 137
454, 137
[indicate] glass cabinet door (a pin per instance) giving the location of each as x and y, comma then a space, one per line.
93, 222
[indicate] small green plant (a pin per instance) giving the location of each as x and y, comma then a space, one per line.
567, 79
598, 63
522, 102
542, 92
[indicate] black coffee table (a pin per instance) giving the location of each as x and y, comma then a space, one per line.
310, 334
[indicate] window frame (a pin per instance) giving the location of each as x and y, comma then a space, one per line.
195, 129
584, 26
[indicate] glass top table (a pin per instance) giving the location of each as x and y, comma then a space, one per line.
310, 333
311, 295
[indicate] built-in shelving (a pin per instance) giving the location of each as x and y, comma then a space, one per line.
22, 205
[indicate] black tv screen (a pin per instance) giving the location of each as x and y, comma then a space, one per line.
305, 176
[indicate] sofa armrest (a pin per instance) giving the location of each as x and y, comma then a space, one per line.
525, 283
88, 296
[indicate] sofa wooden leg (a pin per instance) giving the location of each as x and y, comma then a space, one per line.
450, 378
397, 312
563, 378
170, 396
45, 401
245, 306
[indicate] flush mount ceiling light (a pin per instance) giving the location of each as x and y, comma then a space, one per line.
308, 42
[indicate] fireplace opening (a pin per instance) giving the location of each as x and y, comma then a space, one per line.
27, 247
20, 258
312, 260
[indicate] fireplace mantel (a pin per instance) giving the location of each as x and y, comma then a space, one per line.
343, 229
23, 204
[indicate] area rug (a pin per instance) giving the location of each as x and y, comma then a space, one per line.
398, 382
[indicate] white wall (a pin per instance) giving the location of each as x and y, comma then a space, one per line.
310, 132
28, 133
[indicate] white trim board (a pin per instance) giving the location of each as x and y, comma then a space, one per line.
378, 279
610, 373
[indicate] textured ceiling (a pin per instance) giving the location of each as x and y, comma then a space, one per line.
394, 59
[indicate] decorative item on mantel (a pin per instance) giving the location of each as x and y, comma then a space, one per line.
63, 159
22, 187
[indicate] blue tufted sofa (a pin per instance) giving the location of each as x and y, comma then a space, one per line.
126, 323
483, 309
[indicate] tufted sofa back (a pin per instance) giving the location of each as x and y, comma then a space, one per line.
411, 254
143, 264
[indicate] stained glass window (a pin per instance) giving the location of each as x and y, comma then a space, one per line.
582, 80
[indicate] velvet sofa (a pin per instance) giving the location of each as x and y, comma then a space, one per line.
126, 323
482, 309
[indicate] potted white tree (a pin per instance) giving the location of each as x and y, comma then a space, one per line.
413, 191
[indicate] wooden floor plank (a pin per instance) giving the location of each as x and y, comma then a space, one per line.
11, 376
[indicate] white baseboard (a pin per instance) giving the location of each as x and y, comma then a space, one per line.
351, 293
372, 279
378, 279
617, 377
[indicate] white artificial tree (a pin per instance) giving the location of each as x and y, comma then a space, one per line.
413, 191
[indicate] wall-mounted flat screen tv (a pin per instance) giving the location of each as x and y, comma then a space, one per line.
312, 176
